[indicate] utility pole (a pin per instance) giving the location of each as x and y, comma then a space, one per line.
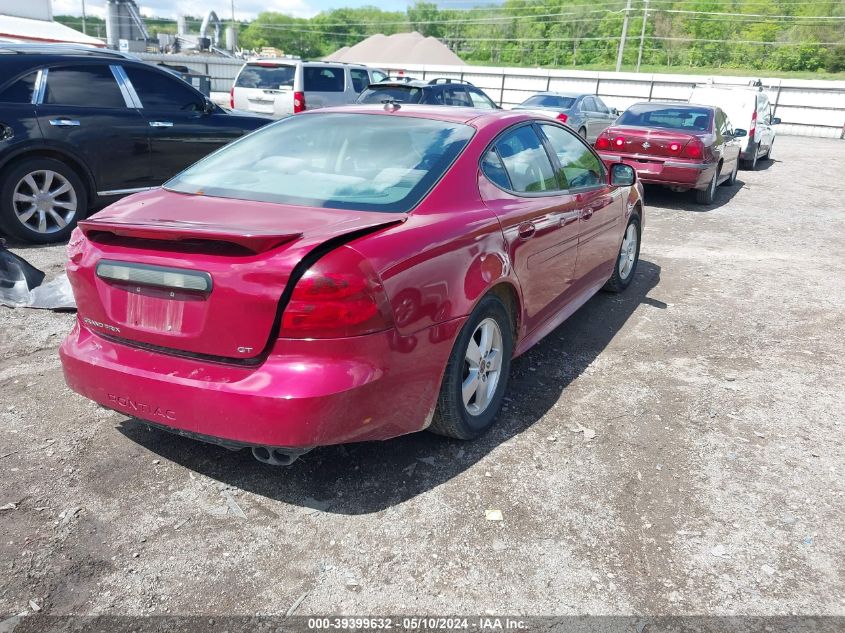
622, 38
83, 18
642, 35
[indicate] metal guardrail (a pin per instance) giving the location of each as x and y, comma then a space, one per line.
808, 107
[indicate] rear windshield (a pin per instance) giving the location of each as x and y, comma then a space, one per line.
266, 77
548, 101
402, 94
322, 79
362, 162
668, 117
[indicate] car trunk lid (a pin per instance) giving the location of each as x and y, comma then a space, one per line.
200, 275
655, 142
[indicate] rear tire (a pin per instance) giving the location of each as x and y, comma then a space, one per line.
41, 200
706, 196
628, 258
469, 398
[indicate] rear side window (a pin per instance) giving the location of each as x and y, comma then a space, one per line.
494, 169
269, 77
401, 94
160, 92
360, 79
320, 79
579, 167
526, 161
456, 97
20, 91
84, 87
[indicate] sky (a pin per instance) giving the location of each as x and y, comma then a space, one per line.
244, 9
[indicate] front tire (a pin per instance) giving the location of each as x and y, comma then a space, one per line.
41, 200
629, 257
751, 164
476, 375
582, 132
731, 181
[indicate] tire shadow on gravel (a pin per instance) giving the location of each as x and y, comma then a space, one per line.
372, 476
656, 196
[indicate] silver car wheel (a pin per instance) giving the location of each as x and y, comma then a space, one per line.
482, 366
44, 201
628, 252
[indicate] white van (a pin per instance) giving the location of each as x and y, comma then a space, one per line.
279, 87
747, 108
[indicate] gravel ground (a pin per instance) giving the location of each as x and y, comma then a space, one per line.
714, 483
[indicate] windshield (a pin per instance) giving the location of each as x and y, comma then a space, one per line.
361, 162
402, 94
266, 77
548, 101
667, 117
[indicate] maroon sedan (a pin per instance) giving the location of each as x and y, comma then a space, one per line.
346, 274
680, 146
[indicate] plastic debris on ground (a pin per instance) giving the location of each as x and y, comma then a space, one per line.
21, 285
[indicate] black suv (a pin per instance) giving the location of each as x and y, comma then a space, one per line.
81, 127
441, 91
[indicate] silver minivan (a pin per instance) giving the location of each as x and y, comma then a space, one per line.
279, 87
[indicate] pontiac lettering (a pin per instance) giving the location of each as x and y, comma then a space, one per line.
141, 407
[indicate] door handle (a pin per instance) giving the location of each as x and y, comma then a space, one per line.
586, 214
526, 230
64, 122
161, 124
569, 217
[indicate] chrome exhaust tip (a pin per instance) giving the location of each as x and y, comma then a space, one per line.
277, 456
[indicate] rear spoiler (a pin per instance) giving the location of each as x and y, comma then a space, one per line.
177, 231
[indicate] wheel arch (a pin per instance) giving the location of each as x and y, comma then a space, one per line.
66, 157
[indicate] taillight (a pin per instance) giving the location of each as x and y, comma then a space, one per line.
340, 296
753, 127
674, 148
232, 98
298, 102
694, 149
602, 142
619, 141
562, 117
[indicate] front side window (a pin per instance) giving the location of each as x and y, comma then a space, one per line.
362, 162
601, 106
20, 91
360, 79
481, 100
579, 167
160, 92
321, 79
90, 86
378, 76
456, 97
266, 76
526, 162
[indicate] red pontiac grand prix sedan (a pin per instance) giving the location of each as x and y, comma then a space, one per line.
680, 146
346, 274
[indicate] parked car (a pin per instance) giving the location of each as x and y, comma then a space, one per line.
746, 107
279, 87
585, 113
345, 275
440, 91
680, 146
81, 127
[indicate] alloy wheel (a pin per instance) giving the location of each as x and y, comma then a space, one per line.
628, 252
482, 366
44, 201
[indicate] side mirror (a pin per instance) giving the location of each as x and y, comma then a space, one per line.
208, 107
775, 120
622, 175
615, 112
740, 133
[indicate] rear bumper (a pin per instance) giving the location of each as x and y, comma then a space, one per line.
671, 173
307, 393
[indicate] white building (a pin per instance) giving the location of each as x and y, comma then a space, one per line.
32, 21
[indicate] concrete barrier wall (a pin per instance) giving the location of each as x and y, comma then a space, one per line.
807, 107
